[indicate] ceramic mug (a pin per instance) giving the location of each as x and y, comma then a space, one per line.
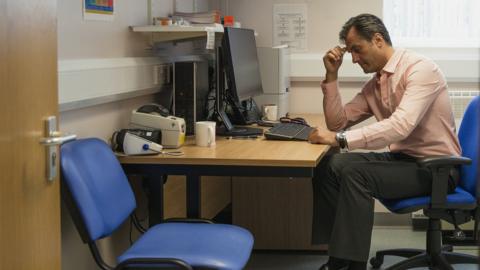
270, 112
205, 133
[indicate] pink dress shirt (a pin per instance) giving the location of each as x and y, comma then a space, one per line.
409, 99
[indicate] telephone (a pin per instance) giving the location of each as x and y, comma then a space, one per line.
154, 116
154, 108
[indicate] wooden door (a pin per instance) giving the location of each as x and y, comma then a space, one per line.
29, 203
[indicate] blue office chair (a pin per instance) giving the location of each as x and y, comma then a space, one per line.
456, 208
100, 199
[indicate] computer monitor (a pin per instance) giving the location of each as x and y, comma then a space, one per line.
227, 128
241, 63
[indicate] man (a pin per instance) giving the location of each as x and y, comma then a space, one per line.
408, 96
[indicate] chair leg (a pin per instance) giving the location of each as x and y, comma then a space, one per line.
421, 260
440, 262
401, 252
436, 256
377, 261
459, 258
447, 248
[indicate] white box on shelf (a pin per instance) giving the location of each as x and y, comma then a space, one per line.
274, 69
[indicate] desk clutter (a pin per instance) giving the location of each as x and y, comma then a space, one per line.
154, 116
153, 129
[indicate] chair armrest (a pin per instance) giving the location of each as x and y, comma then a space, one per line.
188, 220
441, 161
439, 167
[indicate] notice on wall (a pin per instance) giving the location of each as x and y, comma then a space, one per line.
98, 10
290, 26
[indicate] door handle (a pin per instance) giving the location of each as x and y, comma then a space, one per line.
51, 140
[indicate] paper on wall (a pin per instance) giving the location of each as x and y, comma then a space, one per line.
210, 45
290, 26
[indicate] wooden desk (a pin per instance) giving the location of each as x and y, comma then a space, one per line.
235, 157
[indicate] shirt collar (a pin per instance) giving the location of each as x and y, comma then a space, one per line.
393, 61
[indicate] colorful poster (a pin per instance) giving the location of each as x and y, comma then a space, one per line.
100, 10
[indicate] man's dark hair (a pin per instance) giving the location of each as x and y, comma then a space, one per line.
366, 26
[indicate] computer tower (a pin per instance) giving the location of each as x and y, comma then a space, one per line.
190, 92
275, 71
274, 68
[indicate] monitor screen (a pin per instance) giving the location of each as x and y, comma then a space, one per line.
241, 63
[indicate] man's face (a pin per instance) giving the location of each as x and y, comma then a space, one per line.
364, 52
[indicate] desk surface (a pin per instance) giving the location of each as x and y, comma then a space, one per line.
243, 152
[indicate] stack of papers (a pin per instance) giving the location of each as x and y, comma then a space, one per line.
198, 17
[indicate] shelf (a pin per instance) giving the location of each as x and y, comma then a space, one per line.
175, 32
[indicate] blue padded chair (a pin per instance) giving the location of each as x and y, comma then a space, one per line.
457, 208
100, 199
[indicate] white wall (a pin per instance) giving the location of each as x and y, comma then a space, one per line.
101, 39
325, 18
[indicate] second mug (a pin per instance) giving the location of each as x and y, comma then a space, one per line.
270, 112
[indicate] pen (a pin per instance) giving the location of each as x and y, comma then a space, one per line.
243, 137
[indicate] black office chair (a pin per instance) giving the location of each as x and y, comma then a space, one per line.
100, 199
456, 208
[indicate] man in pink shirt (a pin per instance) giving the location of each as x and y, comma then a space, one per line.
408, 96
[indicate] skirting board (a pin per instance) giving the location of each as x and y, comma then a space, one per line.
88, 82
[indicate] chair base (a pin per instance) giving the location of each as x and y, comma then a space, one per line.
420, 258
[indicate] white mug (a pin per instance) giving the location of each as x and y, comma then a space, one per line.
270, 112
205, 133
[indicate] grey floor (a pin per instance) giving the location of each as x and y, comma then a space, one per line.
383, 238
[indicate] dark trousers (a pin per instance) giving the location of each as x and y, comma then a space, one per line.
344, 186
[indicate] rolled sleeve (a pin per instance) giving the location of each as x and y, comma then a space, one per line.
338, 116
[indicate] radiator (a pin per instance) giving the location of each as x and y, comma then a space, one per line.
460, 98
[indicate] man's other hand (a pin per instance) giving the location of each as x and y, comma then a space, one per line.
323, 136
332, 61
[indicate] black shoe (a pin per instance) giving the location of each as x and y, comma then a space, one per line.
328, 267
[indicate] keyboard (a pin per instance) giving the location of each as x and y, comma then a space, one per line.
288, 132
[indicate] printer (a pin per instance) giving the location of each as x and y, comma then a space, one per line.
153, 116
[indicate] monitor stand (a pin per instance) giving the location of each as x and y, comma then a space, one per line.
239, 131
227, 129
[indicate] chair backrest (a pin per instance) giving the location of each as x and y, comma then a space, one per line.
470, 141
97, 184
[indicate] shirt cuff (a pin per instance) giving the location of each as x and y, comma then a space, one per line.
355, 139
